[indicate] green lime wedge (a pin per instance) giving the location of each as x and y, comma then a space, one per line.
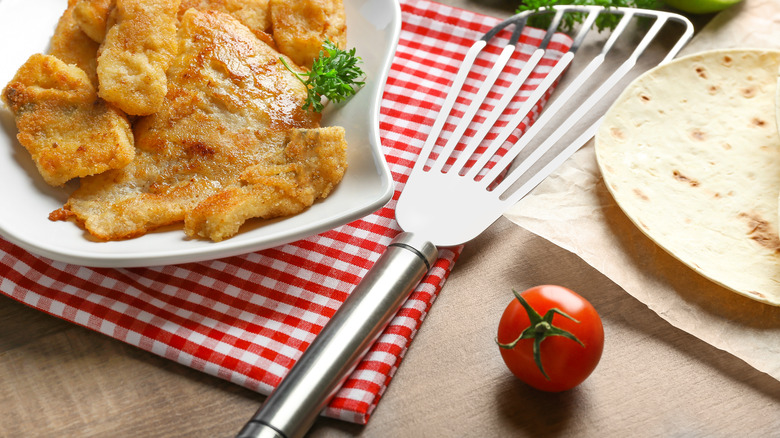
701, 6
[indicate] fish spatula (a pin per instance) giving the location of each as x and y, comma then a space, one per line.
456, 190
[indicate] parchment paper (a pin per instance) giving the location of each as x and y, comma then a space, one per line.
574, 210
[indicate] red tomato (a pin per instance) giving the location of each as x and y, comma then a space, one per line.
565, 361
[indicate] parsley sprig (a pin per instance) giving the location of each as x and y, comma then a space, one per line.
335, 75
603, 21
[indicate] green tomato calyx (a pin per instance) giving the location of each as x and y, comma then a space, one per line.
540, 329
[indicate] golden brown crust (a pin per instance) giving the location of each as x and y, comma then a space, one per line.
136, 53
70, 44
92, 16
300, 27
251, 13
314, 163
232, 109
67, 129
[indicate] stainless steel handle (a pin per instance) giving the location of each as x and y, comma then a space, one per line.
293, 407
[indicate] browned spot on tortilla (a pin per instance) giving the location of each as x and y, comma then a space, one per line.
641, 195
713, 89
727, 60
758, 122
726, 146
617, 133
717, 195
644, 97
761, 231
748, 92
698, 134
758, 294
701, 72
682, 178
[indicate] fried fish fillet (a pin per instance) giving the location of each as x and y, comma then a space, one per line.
67, 129
231, 141
136, 53
70, 44
252, 13
300, 27
313, 164
92, 17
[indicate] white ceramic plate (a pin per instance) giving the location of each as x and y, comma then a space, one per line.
26, 27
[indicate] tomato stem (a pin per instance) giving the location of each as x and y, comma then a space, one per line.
540, 329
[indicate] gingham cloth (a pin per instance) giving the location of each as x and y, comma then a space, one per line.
247, 319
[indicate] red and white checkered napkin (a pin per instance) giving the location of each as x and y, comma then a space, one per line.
247, 319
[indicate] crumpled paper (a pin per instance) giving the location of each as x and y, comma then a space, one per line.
574, 210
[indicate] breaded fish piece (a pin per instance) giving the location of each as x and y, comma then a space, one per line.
300, 26
70, 44
92, 16
136, 53
233, 111
252, 13
314, 163
67, 129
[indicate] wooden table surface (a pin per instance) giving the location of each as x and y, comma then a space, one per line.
59, 379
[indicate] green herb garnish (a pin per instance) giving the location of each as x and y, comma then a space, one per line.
603, 21
335, 75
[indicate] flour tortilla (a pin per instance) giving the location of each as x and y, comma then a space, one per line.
777, 119
691, 153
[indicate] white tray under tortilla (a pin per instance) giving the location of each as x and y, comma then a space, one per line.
26, 27
691, 153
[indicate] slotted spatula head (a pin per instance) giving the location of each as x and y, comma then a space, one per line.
460, 186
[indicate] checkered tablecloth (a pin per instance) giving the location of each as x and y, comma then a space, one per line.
247, 319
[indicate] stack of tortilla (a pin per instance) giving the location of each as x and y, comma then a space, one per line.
691, 153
